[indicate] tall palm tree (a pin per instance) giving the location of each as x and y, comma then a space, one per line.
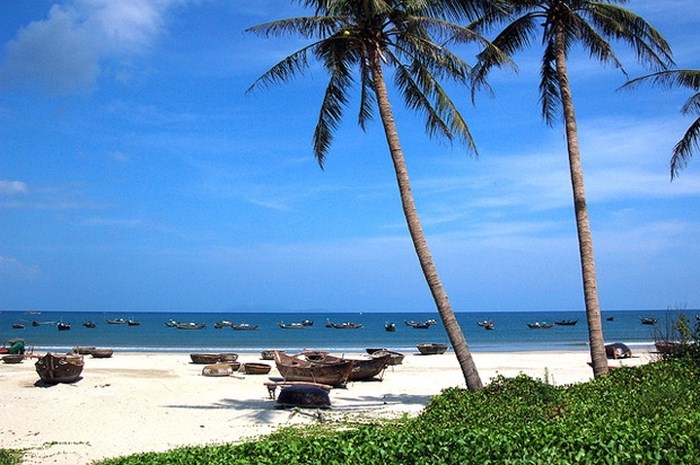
690, 78
411, 37
564, 23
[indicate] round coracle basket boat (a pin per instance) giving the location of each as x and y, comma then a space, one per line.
83, 350
256, 368
204, 359
228, 357
101, 353
218, 370
305, 396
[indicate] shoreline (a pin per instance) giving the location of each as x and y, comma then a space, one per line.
156, 401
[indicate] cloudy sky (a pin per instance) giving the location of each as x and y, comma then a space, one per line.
137, 174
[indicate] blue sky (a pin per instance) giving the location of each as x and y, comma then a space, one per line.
137, 174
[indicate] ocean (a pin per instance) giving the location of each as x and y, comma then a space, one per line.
510, 333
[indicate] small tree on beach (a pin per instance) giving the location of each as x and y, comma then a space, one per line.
690, 78
411, 37
564, 23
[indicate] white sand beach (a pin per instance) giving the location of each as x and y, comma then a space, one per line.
138, 402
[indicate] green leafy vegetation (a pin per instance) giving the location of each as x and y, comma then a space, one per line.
10, 456
648, 414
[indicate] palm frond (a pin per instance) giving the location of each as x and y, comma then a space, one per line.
283, 71
626, 26
597, 46
514, 37
670, 78
550, 96
367, 99
683, 150
330, 115
306, 26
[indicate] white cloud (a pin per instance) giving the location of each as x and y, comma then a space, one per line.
61, 54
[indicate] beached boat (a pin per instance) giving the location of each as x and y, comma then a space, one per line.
432, 348
83, 350
363, 369
540, 325
390, 327
244, 327
190, 325
566, 322
228, 357
304, 396
13, 358
648, 321
668, 347
293, 368
395, 358
53, 368
617, 350
219, 369
254, 368
101, 353
486, 324
267, 354
63, 326
204, 359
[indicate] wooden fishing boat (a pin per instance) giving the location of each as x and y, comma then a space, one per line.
344, 325
432, 348
668, 347
222, 324
116, 321
133, 323
390, 327
83, 350
540, 325
254, 368
284, 325
17, 326
190, 325
486, 324
204, 359
294, 368
363, 369
417, 325
244, 327
63, 326
395, 358
267, 354
89, 324
101, 353
648, 321
13, 358
566, 322
53, 368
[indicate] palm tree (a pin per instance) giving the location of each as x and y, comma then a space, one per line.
563, 23
690, 78
409, 36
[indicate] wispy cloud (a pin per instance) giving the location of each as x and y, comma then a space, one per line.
12, 187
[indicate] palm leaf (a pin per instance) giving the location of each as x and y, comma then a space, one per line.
683, 150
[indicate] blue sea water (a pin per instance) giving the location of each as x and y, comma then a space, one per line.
511, 332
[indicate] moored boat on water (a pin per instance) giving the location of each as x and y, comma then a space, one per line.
63, 326
190, 325
417, 325
284, 325
244, 327
89, 324
486, 324
344, 325
53, 368
390, 327
566, 322
116, 321
540, 325
648, 321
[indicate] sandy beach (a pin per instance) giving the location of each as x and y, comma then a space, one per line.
138, 402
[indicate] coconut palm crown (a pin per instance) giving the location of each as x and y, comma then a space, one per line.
690, 142
354, 40
563, 23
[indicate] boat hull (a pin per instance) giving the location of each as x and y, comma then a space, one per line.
53, 369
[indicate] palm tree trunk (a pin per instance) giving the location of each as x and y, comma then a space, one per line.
454, 332
583, 227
